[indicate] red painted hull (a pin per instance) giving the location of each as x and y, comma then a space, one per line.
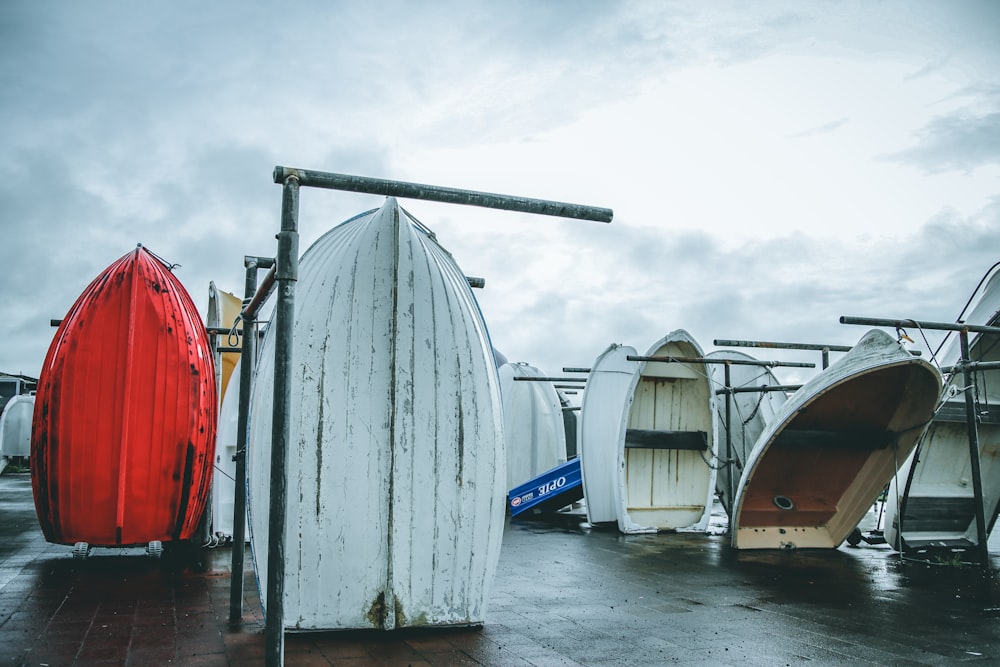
125, 412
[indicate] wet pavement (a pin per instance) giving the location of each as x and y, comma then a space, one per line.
565, 594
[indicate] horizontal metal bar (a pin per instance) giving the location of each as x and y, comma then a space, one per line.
972, 366
477, 283
541, 379
378, 186
721, 362
571, 369
571, 409
257, 262
566, 386
756, 390
230, 349
223, 330
920, 324
54, 323
782, 346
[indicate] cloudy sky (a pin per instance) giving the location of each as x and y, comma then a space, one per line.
772, 166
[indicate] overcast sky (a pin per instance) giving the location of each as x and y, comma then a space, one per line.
772, 166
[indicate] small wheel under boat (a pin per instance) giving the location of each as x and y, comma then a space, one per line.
155, 548
854, 539
81, 550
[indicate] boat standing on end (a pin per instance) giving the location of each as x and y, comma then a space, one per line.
396, 462
932, 503
125, 414
534, 430
749, 413
830, 450
647, 438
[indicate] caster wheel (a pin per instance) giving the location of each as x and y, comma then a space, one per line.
81, 550
155, 548
854, 539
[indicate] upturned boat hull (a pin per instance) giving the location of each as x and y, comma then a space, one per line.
125, 412
396, 463
932, 503
833, 446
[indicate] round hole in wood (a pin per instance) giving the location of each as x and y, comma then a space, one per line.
783, 503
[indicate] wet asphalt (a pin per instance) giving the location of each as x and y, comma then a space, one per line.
565, 594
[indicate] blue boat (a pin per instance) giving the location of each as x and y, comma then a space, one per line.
548, 492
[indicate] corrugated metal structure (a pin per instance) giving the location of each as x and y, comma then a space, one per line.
125, 413
833, 446
396, 462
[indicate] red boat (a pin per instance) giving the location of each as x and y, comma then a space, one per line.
125, 413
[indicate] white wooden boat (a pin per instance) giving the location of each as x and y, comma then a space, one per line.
534, 430
830, 450
15, 426
648, 441
224, 482
935, 488
602, 413
749, 413
396, 465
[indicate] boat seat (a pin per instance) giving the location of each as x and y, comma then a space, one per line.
955, 411
845, 439
938, 515
640, 438
763, 512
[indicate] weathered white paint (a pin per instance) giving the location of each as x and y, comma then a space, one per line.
940, 483
876, 387
533, 423
224, 481
749, 414
603, 412
15, 426
646, 490
397, 466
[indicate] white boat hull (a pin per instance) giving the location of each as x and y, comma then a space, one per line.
396, 466
935, 488
749, 413
15, 426
603, 411
534, 429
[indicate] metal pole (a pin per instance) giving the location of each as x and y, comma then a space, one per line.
286, 265
943, 326
781, 346
760, 389
977, 480
247, 362
378, 186
710, 360
543, 379
730, 490
826, 357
